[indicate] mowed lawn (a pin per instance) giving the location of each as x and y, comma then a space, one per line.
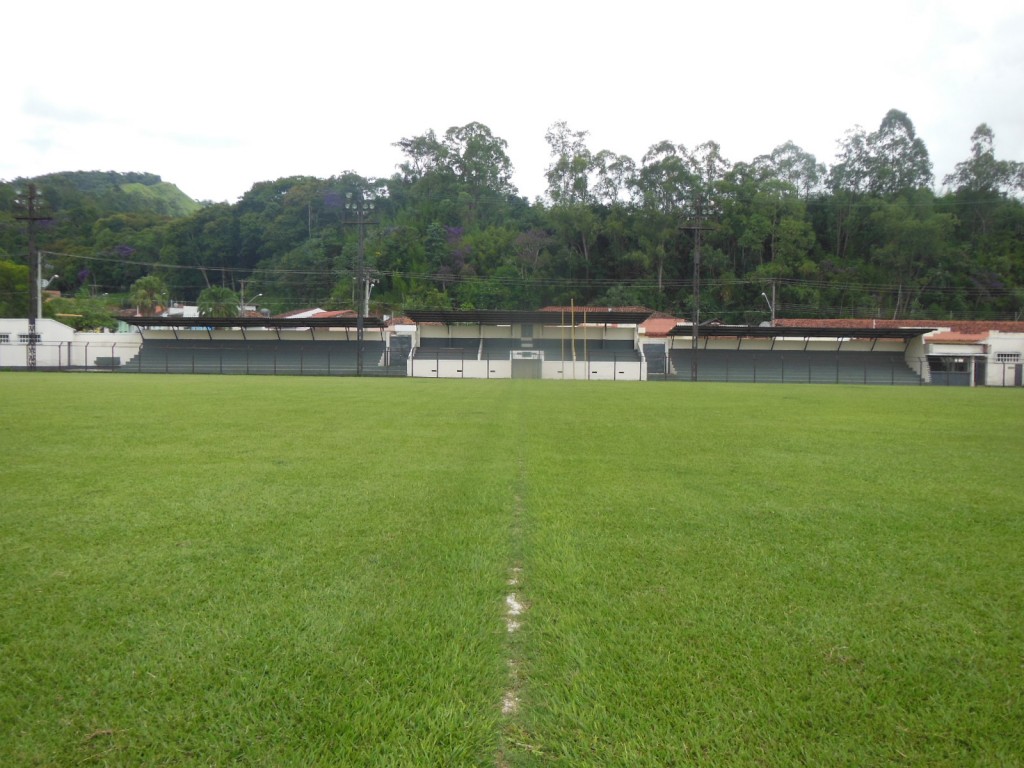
298, 571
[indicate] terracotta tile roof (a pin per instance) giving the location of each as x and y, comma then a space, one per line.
337, 313
300, 313
659, 326
960, 326
954, 337
956, 331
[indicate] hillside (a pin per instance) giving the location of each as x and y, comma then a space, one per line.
681, 230
114, 192
163, 198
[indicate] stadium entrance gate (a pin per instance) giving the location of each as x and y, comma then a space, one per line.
527, 364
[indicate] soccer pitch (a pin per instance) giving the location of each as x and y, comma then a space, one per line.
287, 571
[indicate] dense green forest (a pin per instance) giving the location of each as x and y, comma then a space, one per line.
867, 236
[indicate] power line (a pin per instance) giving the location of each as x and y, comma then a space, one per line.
549, 281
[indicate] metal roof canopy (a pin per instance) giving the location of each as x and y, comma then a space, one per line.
510, 317
275, 323
799, 332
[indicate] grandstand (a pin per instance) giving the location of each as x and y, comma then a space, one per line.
793, 366
563, 343
334, 346
592, 344
795, 354
313, 358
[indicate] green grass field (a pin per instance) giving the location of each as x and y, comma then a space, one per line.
316, 571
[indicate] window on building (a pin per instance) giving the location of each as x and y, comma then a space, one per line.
1007, 357
5, 338
26, 338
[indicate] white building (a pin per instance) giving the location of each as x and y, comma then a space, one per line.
988, 358
60, 347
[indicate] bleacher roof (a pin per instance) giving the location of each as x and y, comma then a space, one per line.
541, 317
273, 323
799, 332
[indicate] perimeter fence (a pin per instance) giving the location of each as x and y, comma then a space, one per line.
319, 358
807, 367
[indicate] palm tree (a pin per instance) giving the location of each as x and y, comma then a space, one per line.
148, 293
218, 301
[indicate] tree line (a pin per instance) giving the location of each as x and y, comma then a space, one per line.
866, 236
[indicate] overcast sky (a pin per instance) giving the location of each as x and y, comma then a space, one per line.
215, 96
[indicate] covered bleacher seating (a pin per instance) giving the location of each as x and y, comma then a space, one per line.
315, 358
793, 366
720, 355
290, 346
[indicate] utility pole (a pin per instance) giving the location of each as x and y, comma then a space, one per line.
361, 209
34, 286
698, 228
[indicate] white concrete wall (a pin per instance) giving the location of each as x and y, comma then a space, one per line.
502, 369
1003, 374
917, 358
87, 347
49, 330
629, 370
459, 369
52, 348
59, 346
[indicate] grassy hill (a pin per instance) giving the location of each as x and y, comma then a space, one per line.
162, 197
115, 192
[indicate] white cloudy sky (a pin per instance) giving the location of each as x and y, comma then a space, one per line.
215, 96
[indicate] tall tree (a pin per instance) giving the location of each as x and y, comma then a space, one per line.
147, 293
981, 184
852, 170
568, 174
568, 178
463, 178
793, 165
424, 154
910, 247
981, 172
218, 301
666, 180
14, 295
898, 159
479, 159
614, 178
766, 220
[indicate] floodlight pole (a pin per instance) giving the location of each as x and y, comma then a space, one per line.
35, 296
